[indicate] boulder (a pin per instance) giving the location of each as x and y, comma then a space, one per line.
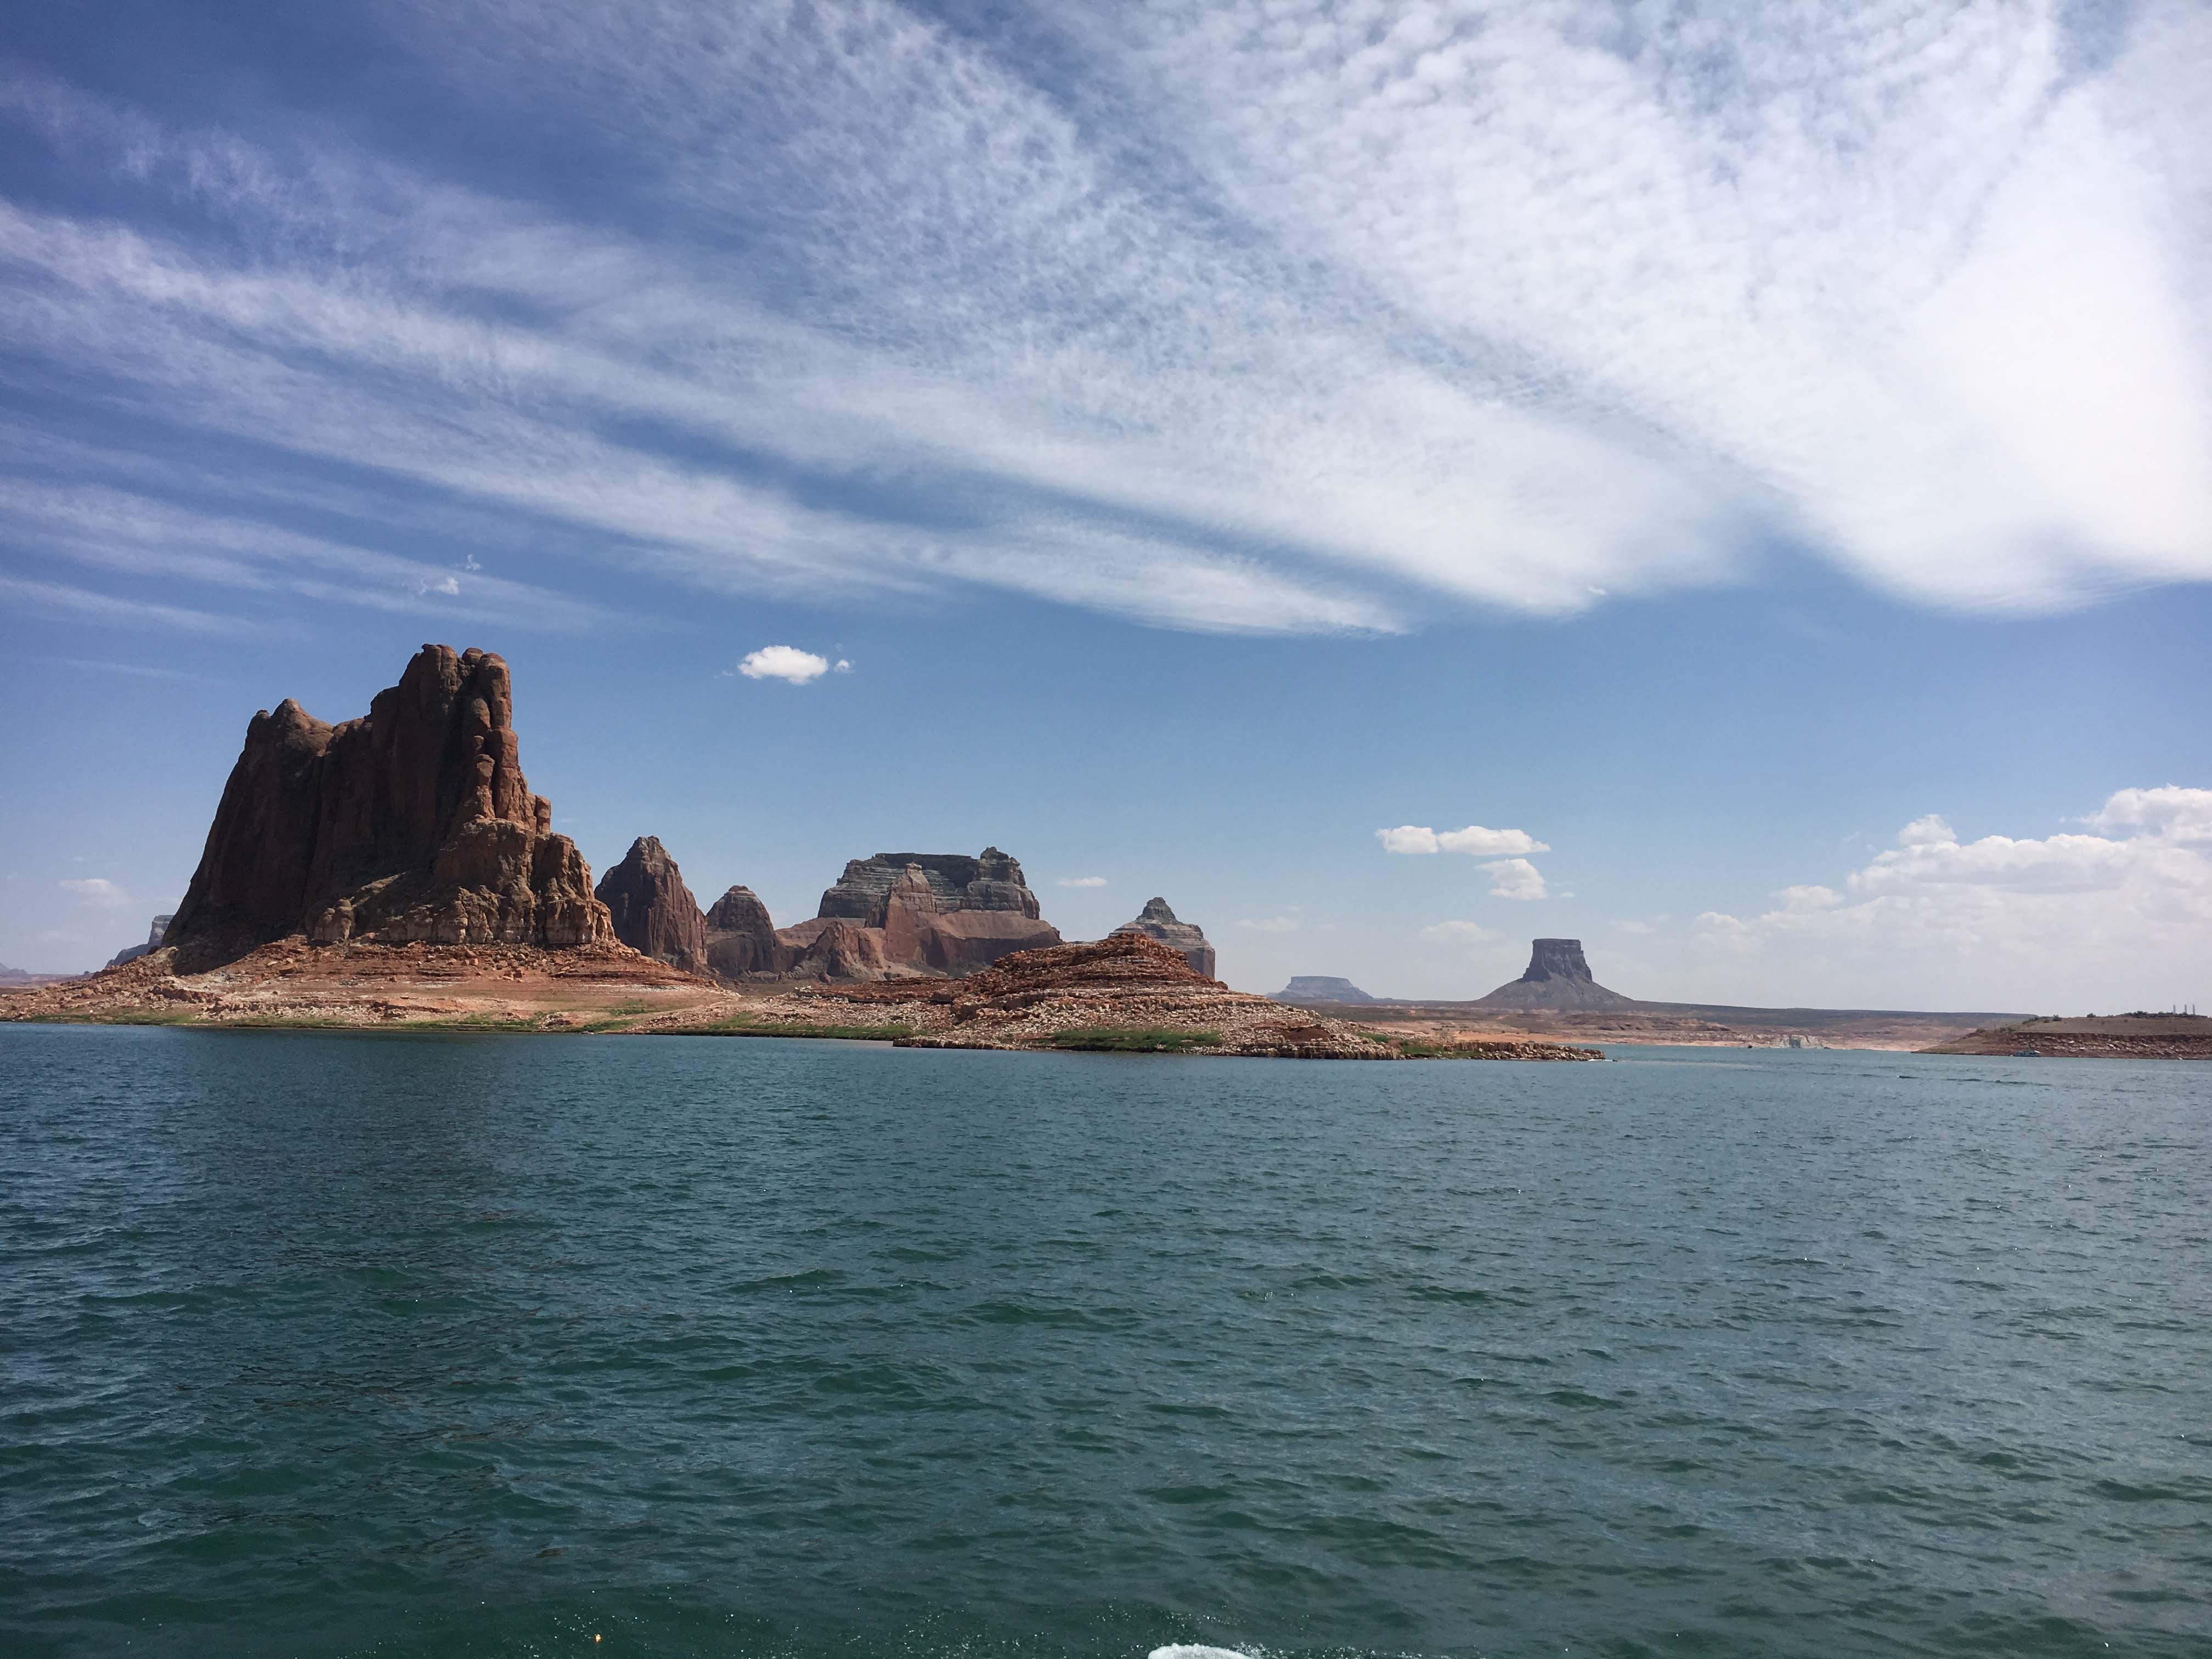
651, 909
412, 823
1157, 921
1557, 977
132, 952
740, 937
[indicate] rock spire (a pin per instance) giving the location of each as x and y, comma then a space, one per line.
652, 910
1557, 977
411, 823
1157, 921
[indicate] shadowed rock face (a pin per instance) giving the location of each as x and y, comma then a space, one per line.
652, 910
1557, 977
1157, 921
412, 823
740, 937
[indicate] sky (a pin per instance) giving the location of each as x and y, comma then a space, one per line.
1733, 485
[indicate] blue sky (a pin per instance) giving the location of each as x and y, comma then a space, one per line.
1759, 476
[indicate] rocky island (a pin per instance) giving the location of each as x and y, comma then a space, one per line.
395, 871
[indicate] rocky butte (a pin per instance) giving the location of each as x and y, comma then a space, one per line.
1157, 921
411, 824
929, 912
1557, 977
651, 909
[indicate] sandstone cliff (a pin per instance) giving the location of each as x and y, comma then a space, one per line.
1157, 921
931, 912
1557, 977
740, 937
652, 910
412, 823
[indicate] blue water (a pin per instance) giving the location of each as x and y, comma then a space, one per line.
381, 1345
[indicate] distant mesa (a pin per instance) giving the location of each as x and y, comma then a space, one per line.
132, 952
412, 823
1320, 988
1557, 977
1157, 921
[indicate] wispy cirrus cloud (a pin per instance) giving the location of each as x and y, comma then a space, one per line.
1220, 316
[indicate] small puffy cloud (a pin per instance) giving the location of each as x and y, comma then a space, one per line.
1082, 881
1800, 900
1458, 932
1476, 840
98, 890
1930, 831
1270, 924
1514, 878
783, 662
842, 666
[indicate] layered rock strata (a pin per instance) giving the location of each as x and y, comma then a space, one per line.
1157, 921
652, 910
412, 823
1557, 977
929, 912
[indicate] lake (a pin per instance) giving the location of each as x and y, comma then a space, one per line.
334, 1344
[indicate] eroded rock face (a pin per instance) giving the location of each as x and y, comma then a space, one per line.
839, 951
652, 910
412, 823
991, 881
1157, 921
740, 937
1557, 977
132, 952
941, 913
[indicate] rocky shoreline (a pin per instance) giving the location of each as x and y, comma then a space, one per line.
1128, 993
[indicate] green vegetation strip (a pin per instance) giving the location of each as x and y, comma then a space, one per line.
1134, 1040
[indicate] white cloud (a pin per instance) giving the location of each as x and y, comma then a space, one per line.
1514, 878
100, 891
1082, 881
783, 662
2085, 921
1475, 839
1459, 933
841, 666
1284, 320
1270, 924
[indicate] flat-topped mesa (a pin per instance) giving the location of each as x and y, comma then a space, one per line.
411, 823
652, 910
1320, 988
992, 881
933, 912
1557, 977
1157, 921
132, 952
